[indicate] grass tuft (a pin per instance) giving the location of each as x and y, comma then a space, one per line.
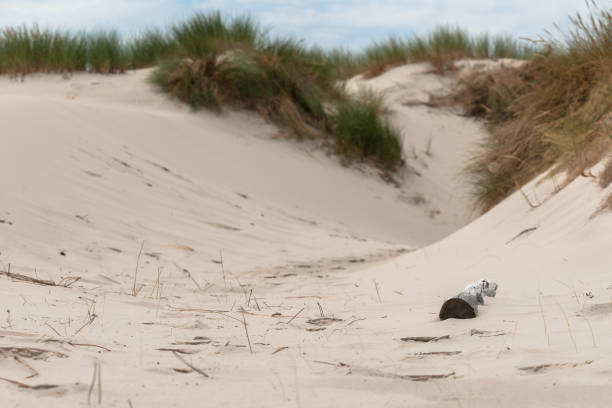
210, 61
25, 50
206, 35
360, 130
231, 62
442, 47
551, 112
150, 48
106, 53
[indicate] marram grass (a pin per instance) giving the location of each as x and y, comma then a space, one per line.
554, 111
221, 62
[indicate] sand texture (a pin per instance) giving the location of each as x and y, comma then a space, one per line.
152, 256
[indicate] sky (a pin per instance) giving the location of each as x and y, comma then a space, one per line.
334, 23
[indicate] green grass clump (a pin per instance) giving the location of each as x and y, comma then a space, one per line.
150, 48
441, 47
106, 53
232, 62
204, 35
361, 131
553, 111
25, 50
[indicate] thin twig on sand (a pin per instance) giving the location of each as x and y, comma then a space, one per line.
278, 350
192, 279
246, 330
93, 382
296, 315
136, 271
377, 292
196, 369
569, 328
156, 287
223, 269
543, 319
30, 387
53, 328
87, 323
219, 312
99, 383
522, 233
24, 278
88, 345
29, 367
320, 310
425, 339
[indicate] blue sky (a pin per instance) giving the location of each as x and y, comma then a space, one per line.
347, 23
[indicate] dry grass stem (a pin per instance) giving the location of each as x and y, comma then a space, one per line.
569, 327
99, 383
320, 309
30, 387
192, 279
377, 292
53, 328
194, 368
29, 367
278, 350
93, 382
296, 315
156, 287
246, 331
543, 319
24, 278
223, 268
88, 345
87, 323
136, 270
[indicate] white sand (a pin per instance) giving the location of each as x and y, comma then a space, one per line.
93, 166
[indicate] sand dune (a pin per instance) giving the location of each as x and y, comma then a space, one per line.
326, 267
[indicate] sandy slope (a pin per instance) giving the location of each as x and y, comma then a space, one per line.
94, 166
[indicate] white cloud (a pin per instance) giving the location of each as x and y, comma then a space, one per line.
353, 23
86, 13
331, 22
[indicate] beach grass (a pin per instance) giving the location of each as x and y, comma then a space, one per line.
107, 53
441, 47
25, 50
233, 62
150, 48
212, 62
362, 131
553, 112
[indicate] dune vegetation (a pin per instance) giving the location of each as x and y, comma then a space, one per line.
211, 62
553, 111
441, 47
221, 62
